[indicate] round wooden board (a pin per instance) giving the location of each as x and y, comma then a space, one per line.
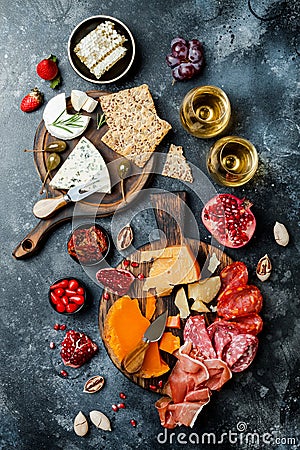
110, 202
199, 248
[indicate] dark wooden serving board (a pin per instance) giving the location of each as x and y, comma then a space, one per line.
172, 225
90, 206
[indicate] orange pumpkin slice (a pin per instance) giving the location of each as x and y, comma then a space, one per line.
124, 327
150, 306
153, 365
169, 343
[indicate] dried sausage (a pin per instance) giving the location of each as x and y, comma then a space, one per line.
234, 275
241, 352
239, 301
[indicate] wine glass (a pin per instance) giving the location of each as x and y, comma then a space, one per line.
205, 111
232, 161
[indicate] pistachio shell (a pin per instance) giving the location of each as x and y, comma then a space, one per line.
281, 234
100, 420
81, 426
264, 268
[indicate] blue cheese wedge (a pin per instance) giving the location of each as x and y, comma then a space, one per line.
59, 123
82, 165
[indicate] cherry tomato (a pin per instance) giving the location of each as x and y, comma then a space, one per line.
69, 293
78, 299
59, 292
80, 291
60, 308
64, 300
54, 298
62, 284
73, 285
71, 307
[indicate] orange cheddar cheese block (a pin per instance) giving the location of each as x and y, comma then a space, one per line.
124, 327
153, 365
150, 306
169, 343
171, 266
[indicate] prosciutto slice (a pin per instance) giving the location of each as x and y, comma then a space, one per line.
189, 387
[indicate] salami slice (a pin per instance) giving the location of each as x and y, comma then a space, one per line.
234, 275
239, 301
195, 332
251, 324
221, 334
241, 352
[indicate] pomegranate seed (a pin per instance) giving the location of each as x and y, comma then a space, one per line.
160, 383
106, 296
122, 395
115, 408
134, 264
126, 262
56, 326
52, 345
63, 327
121, 405
141, 276
152, 387
133, 422
64, 373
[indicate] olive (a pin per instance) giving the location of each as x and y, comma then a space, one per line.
54, 147
52, 162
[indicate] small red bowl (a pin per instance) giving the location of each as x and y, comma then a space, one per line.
60, 296
90, 262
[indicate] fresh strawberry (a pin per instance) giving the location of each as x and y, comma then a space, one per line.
48, 70
32, 101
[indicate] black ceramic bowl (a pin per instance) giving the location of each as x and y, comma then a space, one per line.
59, 298
85, 260
119, 69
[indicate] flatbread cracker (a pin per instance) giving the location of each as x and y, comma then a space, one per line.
116, 104
176, 165
135, 129
138, 140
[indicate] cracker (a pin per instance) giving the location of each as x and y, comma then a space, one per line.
176, 165
135, 129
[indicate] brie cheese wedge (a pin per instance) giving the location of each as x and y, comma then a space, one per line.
55, 111
82, 165
78, 99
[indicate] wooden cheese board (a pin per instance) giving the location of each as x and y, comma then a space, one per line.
172, 225
91, 206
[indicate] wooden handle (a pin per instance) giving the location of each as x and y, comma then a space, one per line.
48, 206
134, 360
169, 209
31, 243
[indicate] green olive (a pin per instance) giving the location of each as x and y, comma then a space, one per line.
56, 147
52, 161
124, 169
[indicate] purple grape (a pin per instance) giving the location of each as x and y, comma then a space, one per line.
172, 61
178, 40
195, 55
179, 48
184, 71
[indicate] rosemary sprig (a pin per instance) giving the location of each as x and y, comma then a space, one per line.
66, 124
100, 120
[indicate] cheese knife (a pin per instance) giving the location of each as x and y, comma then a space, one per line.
134, 360
48, 206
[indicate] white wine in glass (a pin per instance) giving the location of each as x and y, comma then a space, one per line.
232, 161
205, 111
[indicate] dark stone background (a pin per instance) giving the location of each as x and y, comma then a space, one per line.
256, 61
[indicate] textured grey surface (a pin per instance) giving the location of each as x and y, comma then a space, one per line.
257, 63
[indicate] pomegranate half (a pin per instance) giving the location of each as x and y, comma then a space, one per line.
229, 220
